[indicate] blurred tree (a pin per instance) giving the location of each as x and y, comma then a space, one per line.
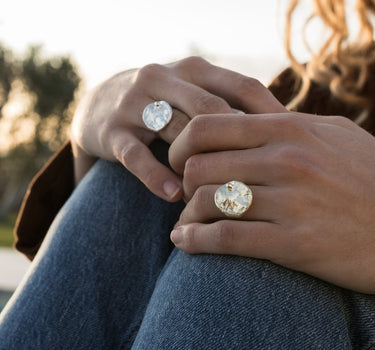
42, 91
6, 76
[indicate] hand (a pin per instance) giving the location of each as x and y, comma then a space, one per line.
108, 123
313, 180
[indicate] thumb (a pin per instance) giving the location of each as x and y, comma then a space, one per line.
139, 160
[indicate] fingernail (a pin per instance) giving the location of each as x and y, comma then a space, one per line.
176, 235
171, 188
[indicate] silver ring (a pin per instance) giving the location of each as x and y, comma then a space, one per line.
234, 198
157, 115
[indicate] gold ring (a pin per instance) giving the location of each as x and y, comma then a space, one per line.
234, 198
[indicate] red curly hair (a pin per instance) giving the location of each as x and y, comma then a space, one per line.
342, 63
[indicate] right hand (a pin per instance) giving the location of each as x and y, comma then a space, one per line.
108, 122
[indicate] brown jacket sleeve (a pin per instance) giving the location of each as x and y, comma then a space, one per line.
47, 193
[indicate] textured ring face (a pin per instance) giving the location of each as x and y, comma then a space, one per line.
157, 115
234, 198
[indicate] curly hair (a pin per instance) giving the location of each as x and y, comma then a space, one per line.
342, 63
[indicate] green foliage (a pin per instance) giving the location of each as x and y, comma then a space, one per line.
6, 75
53, 82
6, 231
46, 88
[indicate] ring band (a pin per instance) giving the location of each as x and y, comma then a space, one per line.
157, 115
233, 198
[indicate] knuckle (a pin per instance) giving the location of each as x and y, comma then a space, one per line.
184, 216
289, 155
209, 104
174, 160
149, 179
283, 155
177, 124
248, 86
200, 199
197, 129
302, 167
291, 125
198, 126
192, 168
196, 208
192, 62
189, 179
341, 121
223, 235
149, 72
190, 238
293, 162
130, 153
127, 98
123, 104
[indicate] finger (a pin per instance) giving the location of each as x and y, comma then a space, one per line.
256, 239
178, 123
256, 166
244, 93
233, 132
267, 205
175, 126
194, 100
220, 133
140, 161
161, 83
132, 112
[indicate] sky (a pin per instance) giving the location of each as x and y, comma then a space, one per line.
104, 37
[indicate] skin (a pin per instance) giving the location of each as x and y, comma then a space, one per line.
108, 122
311, 176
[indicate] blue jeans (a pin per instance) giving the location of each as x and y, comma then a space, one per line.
107, 277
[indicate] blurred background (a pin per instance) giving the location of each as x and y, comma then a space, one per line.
52, 52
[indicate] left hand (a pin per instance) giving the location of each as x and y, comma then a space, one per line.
313, 181
108, 121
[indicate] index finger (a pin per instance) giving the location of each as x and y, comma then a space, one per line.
241, 92
213, 133
225, 132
